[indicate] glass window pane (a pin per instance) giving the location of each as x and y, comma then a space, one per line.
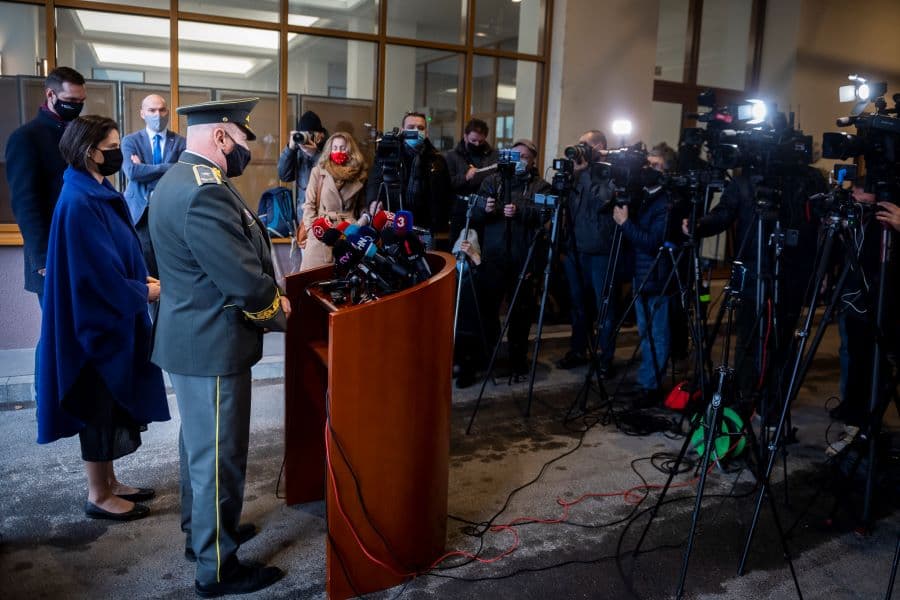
427, 81
671, 39
506, 94
513, 26
724, 40
432, 21
23, 41
335, 79
222, 70
258, 10
161, 4
346, 15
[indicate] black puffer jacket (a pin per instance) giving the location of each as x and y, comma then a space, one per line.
519, 229
645, 231
426, 188
590, 226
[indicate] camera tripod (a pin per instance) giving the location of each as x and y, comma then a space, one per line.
711, 420
461, 267
837, 219
538, 235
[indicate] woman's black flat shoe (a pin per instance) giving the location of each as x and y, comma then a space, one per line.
142, 495
93, 511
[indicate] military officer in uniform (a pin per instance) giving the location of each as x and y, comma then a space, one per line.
219, 297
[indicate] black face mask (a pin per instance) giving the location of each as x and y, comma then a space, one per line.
112, 162
472, 148
236, 160
67, 111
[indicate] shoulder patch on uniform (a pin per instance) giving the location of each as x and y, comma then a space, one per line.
205, 174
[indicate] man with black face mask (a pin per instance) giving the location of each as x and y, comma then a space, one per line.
34, 170
148, 154
220, 296
467, 165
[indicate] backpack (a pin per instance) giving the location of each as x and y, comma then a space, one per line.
276, 211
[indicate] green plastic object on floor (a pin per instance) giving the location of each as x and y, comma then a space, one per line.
731, 435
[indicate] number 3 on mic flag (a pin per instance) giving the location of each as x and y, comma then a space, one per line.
403, 221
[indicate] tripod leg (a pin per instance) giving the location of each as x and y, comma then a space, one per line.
893, 576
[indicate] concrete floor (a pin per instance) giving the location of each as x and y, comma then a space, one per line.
49, 550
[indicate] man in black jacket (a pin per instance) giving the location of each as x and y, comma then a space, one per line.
589, 230
464, 163
297, 160
425, 181
508, 231
34, 170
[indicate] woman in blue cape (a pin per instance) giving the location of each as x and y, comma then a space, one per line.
96, 379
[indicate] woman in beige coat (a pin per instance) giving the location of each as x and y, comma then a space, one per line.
336, 190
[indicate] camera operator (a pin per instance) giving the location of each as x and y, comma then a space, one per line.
646, 230
857, 320
587, 243
508, 232
298, 159
425, 181
738, 206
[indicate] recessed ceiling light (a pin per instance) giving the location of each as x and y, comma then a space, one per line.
190, 61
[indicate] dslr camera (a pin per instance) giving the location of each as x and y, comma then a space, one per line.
304, 138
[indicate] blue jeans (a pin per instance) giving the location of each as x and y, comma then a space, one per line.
586, 281
655, 341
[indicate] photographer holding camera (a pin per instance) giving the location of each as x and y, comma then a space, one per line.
508, 232
587, 243
422, 179
302, 154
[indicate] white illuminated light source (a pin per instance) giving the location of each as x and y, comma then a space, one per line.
506, 92
862, 92
621, 127
758, 111
191, 61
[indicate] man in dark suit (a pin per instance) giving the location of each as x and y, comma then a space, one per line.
148, 155
218, 296
34, 170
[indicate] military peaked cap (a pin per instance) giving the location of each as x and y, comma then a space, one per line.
221, 111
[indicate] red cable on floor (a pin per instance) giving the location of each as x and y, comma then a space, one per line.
629, 496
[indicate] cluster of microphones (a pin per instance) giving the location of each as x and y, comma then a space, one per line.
373, 257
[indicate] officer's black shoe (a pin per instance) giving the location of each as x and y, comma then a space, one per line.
242, 579
571, 360
244, 533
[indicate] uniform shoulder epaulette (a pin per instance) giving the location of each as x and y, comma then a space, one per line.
205, 174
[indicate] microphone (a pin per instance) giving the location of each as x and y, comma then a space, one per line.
319, 226
351, 229
383, 219
331, 236
342, 226
403, 221
345, 255
372, 254
369, 233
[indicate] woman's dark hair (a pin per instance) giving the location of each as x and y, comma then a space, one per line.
83, 134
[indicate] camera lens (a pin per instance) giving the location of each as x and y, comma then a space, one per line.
302, 137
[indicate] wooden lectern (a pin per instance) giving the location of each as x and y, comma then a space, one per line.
386, 366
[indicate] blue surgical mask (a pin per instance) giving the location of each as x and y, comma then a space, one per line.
521, 167
416, 142
156, 122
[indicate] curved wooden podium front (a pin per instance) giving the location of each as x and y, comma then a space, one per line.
386, 367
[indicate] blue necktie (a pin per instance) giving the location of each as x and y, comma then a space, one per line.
157, 153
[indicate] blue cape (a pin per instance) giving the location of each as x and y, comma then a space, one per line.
95, 309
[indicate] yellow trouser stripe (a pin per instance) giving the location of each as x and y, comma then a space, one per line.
218, 554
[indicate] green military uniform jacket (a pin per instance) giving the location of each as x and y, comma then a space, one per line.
218, 289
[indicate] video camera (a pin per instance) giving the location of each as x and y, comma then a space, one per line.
506, 162
474, 201
877, 137
629, 171
388, 146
